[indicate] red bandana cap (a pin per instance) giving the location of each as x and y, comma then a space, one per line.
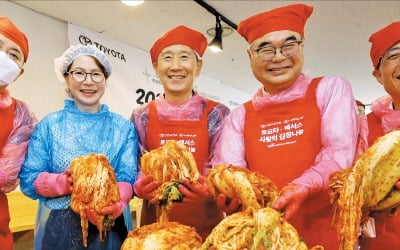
382, 40
359, 103
179, 35
9, 30
292, 17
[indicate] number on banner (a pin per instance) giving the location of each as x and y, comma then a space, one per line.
145, 97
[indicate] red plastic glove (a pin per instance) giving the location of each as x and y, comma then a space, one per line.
397, 185
145, 187
53, 185
290, 199
195, 193
228, 207
126, 193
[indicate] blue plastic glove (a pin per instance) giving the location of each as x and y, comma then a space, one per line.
195, 193
229, 207
146, 187
291, 198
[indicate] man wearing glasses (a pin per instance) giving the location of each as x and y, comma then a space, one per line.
385, 116
296, 130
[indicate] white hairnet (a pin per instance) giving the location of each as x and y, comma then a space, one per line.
62, 63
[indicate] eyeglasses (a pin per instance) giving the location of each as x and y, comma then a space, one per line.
80, 76
288, 49
392, 57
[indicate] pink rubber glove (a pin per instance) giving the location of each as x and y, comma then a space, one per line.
195, 193
228, 207
290, 199
116, 209
145, 187
53, 185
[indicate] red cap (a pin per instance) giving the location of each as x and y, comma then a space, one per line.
292, 17
179, 35
359, 103
382, 40
9, 30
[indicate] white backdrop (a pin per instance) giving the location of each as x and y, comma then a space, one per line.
133, 80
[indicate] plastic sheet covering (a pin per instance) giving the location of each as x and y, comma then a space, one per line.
383, 108
43, 216
190, 110
362, 142
13, 153
62, 232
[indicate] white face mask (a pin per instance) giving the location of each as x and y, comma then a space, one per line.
9, 69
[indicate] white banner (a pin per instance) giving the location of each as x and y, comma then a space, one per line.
133, 80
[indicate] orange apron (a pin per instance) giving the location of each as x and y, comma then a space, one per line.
7, 122
194, 135
387, 228
281, 142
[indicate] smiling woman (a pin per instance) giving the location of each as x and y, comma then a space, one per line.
86, 91
83, 127
73, 68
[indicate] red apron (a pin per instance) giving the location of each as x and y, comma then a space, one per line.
6, 237
281, 142
7, 122
194, 135
387, 228
374, 128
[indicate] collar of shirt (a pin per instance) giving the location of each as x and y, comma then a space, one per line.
189, 110
263, 99
383, 108
382, 105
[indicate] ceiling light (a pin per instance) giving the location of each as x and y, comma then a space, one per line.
218, 32
132, 2
216, 44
